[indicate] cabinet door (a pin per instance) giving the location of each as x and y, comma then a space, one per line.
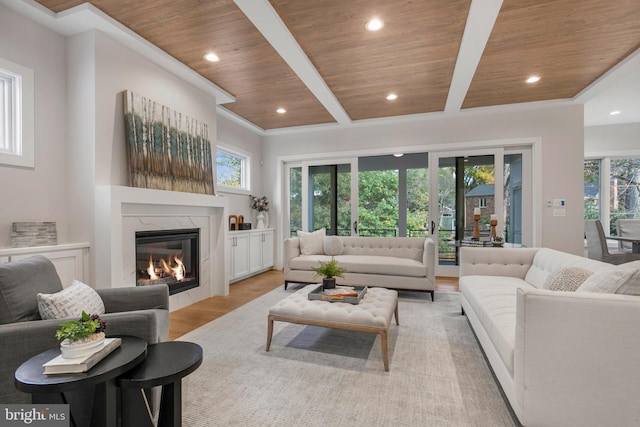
239, 255
267, 249
255, 251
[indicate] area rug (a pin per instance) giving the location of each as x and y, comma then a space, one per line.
321, 377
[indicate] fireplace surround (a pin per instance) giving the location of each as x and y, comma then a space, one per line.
123, 211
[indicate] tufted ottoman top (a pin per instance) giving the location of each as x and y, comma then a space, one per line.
375, 309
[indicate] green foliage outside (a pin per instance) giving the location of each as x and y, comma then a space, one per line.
624, 184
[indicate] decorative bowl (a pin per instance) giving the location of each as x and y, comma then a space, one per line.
74, 350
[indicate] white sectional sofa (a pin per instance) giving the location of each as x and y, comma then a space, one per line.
390, 262
562, 358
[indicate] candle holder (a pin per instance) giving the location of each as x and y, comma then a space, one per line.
476, 227
493, 223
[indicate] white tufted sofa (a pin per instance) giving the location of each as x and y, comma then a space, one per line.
389, 262
561, 358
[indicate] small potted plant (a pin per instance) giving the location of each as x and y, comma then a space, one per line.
81, 337
498, 241
329, 271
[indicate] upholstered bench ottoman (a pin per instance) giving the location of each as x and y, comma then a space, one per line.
373, 314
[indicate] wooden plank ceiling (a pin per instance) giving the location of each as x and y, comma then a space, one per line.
569, 43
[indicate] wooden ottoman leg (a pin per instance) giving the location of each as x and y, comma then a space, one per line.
396, 314
385, 353
269, 332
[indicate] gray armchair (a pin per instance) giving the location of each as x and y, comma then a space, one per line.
141, 311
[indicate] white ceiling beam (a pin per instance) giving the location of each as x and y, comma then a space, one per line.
268, 22
480, 22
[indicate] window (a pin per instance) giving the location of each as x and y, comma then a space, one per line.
483, 202
16, 114
232, 169
619, 181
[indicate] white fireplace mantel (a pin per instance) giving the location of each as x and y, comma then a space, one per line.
117, 207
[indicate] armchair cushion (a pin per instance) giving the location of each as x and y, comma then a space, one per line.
20, 282
70, 302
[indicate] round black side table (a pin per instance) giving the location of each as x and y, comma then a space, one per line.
165, 365
77, 389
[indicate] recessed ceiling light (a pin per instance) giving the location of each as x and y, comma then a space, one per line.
212, 57
398, 155
392, 96
375, 24
615, 113
533, 79
281, 110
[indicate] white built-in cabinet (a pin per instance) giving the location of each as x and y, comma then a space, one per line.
239, 259
261, 250
70, 259
251, 252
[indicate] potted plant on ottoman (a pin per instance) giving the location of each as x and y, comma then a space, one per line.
81, 337
329, 271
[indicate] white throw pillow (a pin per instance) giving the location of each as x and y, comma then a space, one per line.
311, 243
333, 245
70, 302
566, 279
616, 281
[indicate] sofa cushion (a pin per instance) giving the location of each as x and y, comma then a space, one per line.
493, 300
566, 279
311, 243
70, 302
548, 260
387, 265
20, 282
621, 280
332, 245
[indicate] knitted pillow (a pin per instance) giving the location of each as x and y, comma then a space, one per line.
311, 243
566, 279
70, 302
333, 245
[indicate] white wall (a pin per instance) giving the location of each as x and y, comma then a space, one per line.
38, 194
611, 139
560, 129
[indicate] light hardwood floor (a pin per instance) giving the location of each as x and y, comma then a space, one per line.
189, 318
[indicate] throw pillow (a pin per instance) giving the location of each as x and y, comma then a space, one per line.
566, 279
311, 243
70, 302
333, 245
619, 280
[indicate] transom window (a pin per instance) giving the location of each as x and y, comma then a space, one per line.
232, 169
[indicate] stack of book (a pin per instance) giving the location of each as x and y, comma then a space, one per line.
479, 243
60, 365
339, 293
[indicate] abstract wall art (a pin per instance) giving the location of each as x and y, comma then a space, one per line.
166, 149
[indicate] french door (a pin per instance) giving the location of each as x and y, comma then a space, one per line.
324, 194
496, 183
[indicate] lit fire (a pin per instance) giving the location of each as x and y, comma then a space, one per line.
168, 268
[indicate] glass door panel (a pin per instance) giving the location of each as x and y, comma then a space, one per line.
295, 200
394, 195
330, 198
465, 186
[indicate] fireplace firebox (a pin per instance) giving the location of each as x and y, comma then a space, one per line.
169, 257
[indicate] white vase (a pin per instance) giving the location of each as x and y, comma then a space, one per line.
260, 218
72, 350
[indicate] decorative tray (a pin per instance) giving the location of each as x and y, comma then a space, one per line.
339, 294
